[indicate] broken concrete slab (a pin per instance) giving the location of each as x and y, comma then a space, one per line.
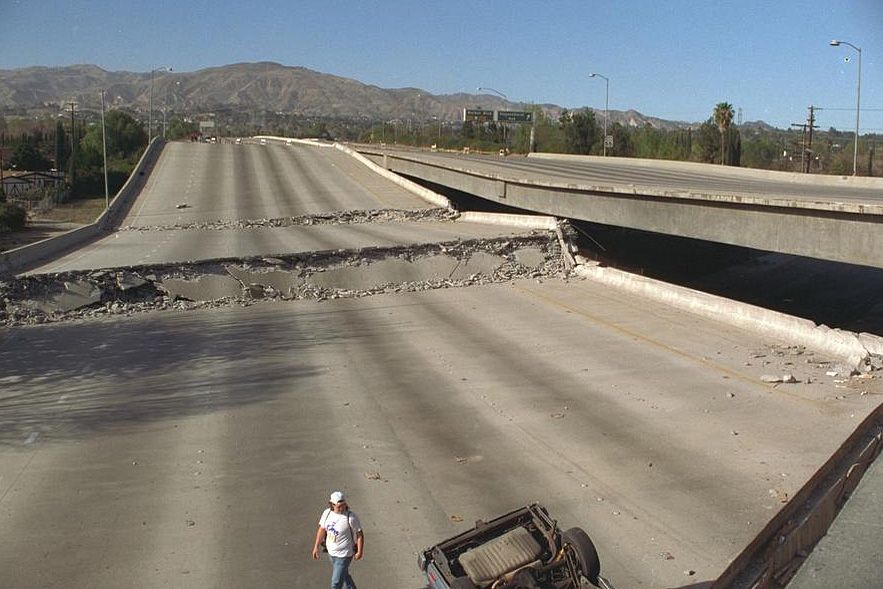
530, 257
478, 263
389, 271
316, 275
75, 295
129, 281
280, 280
203, 288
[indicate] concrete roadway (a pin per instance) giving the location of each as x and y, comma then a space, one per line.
197, 449
658, 175
227, 182
134, 248
230, 182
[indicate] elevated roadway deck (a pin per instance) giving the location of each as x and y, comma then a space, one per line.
832, 218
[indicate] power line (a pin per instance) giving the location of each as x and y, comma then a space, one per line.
863, 110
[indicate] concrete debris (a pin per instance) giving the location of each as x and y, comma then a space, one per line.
785, 378
330, 218
44, 298
129, 281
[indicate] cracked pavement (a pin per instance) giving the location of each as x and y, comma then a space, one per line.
438, 371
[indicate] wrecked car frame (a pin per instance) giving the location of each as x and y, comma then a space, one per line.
523, 549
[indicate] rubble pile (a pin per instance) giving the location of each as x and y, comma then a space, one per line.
331, 218
79, 295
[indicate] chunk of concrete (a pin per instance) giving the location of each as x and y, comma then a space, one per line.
207, 287
279, 280
129, 281
76, 295
478, 263
530, 257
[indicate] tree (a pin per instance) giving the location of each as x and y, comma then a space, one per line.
125, 136
706, 146
580, 131
26, 156
622, 142
723, 118
61, 148
181, 129
733, 151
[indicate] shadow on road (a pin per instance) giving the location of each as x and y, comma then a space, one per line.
68, 381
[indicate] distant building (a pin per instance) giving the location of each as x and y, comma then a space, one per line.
18, 183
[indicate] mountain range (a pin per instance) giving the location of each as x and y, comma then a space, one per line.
263, 86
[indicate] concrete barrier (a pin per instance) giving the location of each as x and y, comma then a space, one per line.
122, 202
424, 193
32, 255
290, 140
775, 554
509, 220
846, 346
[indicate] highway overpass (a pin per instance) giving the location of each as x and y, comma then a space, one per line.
830, 218
194, 445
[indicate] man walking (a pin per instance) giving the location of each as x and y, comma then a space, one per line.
341, 533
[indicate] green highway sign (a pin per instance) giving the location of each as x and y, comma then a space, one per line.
478, 114
514, 116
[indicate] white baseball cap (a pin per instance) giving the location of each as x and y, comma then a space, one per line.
337, 497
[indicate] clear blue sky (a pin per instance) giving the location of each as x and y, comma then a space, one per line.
673, 59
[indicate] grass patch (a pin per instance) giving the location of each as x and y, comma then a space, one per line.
82, 211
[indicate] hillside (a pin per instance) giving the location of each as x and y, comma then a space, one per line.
261, 86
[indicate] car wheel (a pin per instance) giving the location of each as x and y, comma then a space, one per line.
585, 552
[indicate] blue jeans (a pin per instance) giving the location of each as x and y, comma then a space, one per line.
340, 573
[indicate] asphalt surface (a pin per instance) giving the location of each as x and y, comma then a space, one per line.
197, 449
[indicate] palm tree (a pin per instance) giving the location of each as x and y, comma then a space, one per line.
723, 117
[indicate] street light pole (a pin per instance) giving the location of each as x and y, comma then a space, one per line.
104, 152
606, 105
150, 102
858, 101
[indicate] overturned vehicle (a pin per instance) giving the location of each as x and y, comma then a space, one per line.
523, 549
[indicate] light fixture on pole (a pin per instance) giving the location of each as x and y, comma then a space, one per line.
858, 100
150, 102
497, 92
504, 97
606, 105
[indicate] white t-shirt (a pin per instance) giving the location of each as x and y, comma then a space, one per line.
341, 530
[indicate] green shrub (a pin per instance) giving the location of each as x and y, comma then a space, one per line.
12, 217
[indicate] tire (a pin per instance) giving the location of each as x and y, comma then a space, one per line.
585, 553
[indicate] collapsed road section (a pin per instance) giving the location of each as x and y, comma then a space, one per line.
64, 296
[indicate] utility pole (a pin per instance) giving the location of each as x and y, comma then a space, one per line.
808, 126
73, 105
810, 123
